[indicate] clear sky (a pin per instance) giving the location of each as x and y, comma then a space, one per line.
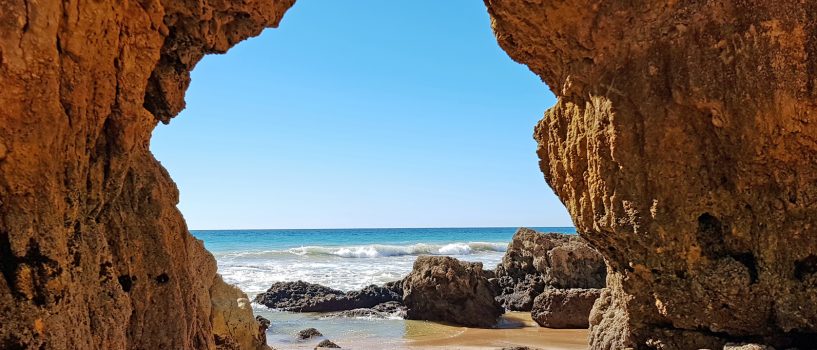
362, 114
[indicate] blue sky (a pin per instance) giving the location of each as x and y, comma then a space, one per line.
362, 114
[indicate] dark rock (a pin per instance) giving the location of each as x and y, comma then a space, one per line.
326, 344
442, 288
564, 308
383, 310
308, 297
746, 346
263, 325
535, 261
309, 333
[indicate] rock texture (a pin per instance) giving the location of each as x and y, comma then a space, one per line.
535, 261
301, 296
93, 252
234, 327
327, 344
564, 308
683, 146
441, 288
308, 333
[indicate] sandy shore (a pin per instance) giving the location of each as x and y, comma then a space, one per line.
518, 329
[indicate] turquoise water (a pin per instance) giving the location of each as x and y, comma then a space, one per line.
345, 259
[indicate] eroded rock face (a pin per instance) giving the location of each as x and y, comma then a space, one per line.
234, 326
682, 144
564, 308
93, 252
441, 288
535, 261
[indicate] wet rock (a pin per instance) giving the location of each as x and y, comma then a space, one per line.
445, 289
535, 261
384, 310
327, 344
308, 297
564, 308
746, 346
308, 333
263, 325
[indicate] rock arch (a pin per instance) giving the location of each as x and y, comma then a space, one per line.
682, 145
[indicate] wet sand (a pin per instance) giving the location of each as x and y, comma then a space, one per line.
518, 330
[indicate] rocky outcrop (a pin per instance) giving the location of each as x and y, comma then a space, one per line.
308, 333
327, 344
564, 308
93, 252
441, 288
535, 261
385, 310
234, 327
301, 296
683, 147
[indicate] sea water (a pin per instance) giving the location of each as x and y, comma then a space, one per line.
345, 259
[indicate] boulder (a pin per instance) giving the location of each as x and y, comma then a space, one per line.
234, 327
535, 261
327, 344
308, 333
308, 297
564, 308
441, 288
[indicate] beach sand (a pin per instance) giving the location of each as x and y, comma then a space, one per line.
517, 329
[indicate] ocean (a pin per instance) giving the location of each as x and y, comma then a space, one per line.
345, 259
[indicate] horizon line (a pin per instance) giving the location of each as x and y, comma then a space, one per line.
369, 228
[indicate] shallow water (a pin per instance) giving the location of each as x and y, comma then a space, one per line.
347, 259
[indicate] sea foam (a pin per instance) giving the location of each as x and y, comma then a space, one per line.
383, 250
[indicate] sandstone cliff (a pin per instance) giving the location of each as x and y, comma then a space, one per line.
683, 147
93, 252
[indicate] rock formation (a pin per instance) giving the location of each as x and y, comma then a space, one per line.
683, 147
308, 333
535, 261
441, 288
327, 344
93, 252
234, 327
564, 308
301, 296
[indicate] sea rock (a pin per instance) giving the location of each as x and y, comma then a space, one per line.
564, 308
234, 327
308, 333
385, 310
535, 261
94, 253
301, 296
441, 288
327, 344
682, 145
746, 346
